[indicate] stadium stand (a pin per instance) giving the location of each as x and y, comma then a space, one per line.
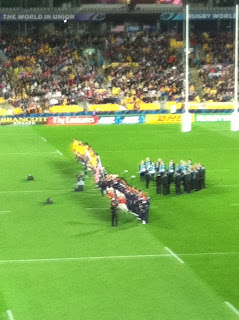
40, 73
217, 72
141, 71
145, 68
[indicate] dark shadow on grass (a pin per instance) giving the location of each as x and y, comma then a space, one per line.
66, 167
89, 233
70, 168
4, 307
126, 225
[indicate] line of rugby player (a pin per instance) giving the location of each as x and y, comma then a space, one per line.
190, 176
136, 201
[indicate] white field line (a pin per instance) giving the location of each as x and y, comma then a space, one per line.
174, 255
232, 308
85, 258
60, 153
5, 211
44, 139
69, 259
10, 315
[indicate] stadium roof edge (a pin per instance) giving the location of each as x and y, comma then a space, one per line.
142, 9
116, 9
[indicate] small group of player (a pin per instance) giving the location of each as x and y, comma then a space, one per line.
185, 173
85, 153
137, 201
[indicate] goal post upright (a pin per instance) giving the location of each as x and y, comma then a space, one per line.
186, 116
235, 114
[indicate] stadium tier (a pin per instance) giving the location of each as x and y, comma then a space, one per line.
131, 71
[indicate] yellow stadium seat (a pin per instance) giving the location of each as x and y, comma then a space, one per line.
66, 109
219, 105
2, 100
17, 111
210, 105
115, 91
130, 106
149, 106
104, 107
3, 112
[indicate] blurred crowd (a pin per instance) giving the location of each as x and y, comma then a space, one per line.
217, 70
54, 70
146, 68
48, 71
137, 67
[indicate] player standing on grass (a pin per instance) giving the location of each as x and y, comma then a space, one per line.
142, 169
177, 180
114, 212
158, 183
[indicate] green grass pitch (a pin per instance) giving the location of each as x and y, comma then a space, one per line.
202, 228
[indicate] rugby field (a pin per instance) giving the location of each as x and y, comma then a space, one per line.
65, 261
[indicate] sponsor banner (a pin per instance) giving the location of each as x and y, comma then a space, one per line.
52, 17
134, 29
213, 117
165, 118
119, 28
199, 16
130, 119
72, 120
121, 120
16, 120
96, 17
150, 27
107, 120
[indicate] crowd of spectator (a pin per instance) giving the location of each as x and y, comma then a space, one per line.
157, 72
48, 71
53, 70
138, 67
217, 71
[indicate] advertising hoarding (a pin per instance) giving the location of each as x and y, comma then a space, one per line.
72, 120
213, 117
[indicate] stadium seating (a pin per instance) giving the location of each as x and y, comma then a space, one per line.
66, 109
105, 107
217, 72
143, 71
